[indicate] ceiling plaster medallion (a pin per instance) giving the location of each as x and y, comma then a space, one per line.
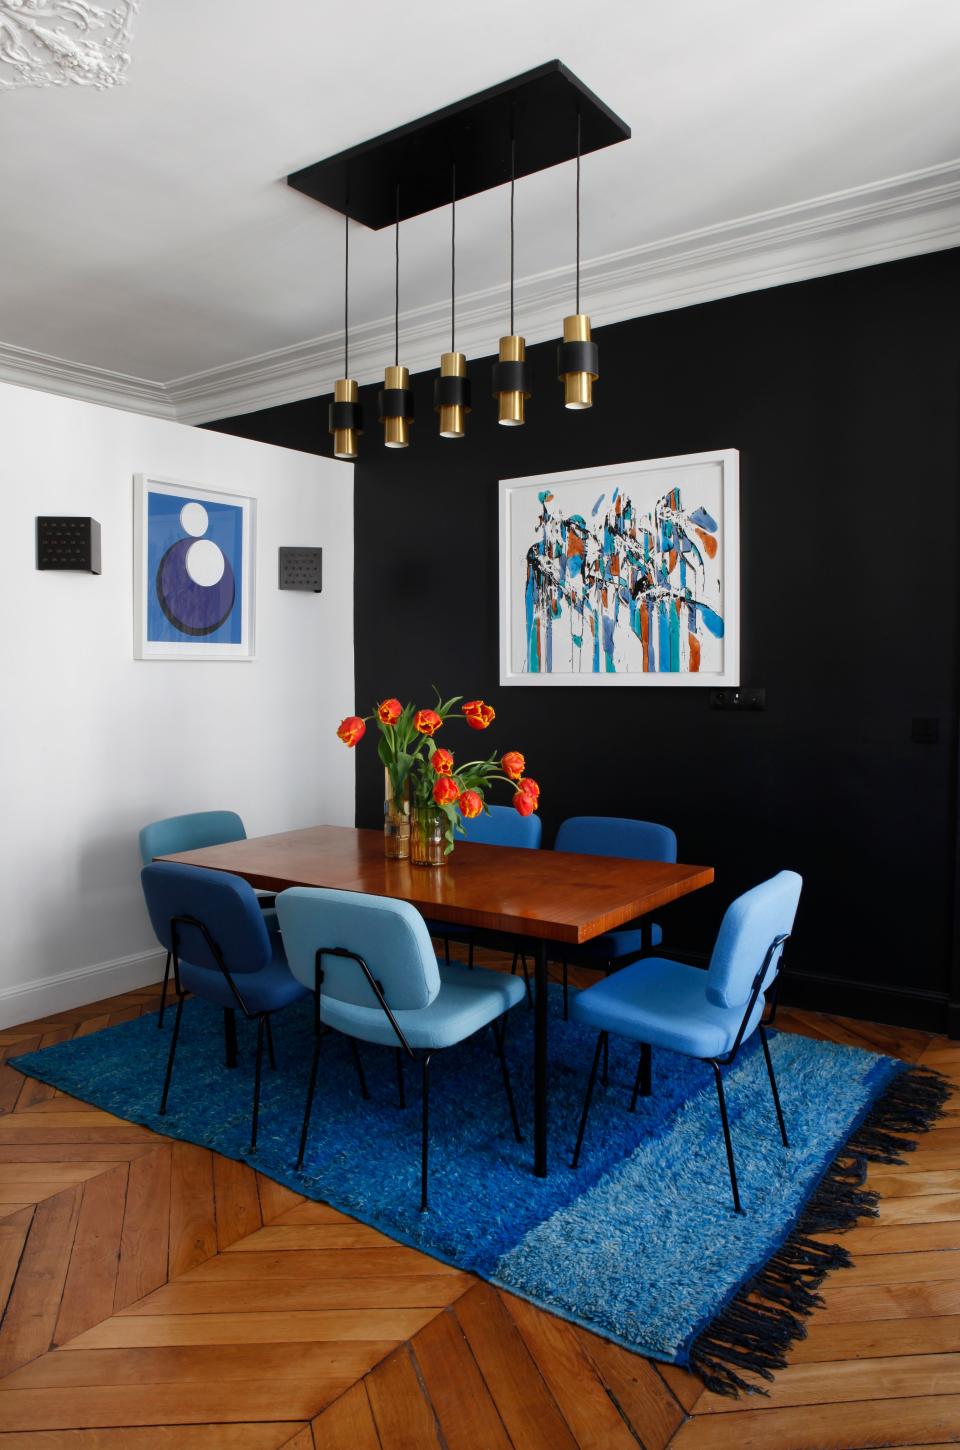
64, 42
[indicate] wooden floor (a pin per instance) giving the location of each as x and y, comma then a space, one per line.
157, 1295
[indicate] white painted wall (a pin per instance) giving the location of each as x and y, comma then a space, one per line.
94, 743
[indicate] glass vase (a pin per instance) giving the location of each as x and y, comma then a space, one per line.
427, 837
396, 824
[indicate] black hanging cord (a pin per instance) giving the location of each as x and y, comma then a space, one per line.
578, 212
346, 296
513, 179
453, 262
396, 287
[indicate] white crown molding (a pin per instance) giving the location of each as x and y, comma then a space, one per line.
900, 217
79, 380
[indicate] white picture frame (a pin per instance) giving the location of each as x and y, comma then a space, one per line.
554, 628
187, 612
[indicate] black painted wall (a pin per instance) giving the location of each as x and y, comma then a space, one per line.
843, 396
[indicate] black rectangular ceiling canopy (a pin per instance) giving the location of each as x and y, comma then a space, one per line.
538, 109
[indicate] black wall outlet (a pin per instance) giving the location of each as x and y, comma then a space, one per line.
744, 697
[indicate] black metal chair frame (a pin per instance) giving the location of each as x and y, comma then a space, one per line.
264, 1028
266, 902
404, 1052
642, 1086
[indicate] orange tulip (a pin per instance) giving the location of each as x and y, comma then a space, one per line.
471, 804
524, 803
442, 761
529, 785
351, 730
445, 790
428, 722
389, 711
478, 715
513, 764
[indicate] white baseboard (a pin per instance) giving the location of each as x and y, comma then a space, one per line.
26, 1001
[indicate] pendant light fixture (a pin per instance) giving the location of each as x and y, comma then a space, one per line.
395, 397
346, 415
577, 355
451, 390
509, 372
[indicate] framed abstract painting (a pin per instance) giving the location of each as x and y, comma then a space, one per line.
194, 572
628, 575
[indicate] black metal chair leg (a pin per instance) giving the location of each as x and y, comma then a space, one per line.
566, 991
309, 1103
230, 1036
587, 1099
641, 1086
270, 1051
499, 1037
605, 1078
163, 993
728, 1141
358, 1064
773, 1088
401, 1091
470, 955
171, 1055
446, 950
424, 1133
261, 1021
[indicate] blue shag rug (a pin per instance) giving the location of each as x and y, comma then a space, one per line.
640, 1245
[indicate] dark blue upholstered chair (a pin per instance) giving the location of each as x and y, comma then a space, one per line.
212, 925
704, 1014
191, 833
635, 841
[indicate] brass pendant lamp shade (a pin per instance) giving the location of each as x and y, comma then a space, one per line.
510, 371
346, 415
395, 398
451, 390
578, 359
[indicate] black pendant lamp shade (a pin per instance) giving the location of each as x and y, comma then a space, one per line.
578, 358
345, 420
395, 398
451, 390
509, 377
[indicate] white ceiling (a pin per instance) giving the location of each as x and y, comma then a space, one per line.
147, 230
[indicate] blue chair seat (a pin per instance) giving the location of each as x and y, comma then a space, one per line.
467, 1001
267, 990
665, 1004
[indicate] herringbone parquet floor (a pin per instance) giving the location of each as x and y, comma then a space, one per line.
157, 1295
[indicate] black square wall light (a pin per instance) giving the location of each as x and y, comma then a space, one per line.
68, 542
301, 569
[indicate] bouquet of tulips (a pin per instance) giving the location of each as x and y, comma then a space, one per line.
414, 762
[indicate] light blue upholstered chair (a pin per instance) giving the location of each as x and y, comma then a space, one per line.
375, 977
705, 1014
634, 841
212, 925
191, 833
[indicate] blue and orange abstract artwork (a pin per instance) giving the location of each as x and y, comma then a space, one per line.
624, 575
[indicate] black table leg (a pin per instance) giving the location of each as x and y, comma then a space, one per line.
230, 1036
540, 1020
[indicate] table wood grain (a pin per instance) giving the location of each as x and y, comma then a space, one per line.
549, 895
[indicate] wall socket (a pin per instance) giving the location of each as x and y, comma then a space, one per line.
745, 697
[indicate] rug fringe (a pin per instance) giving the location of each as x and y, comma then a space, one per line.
754, 1331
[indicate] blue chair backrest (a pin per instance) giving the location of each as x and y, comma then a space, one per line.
227, 906
750, 926
189, 833
617, 836
504, 827
390, 936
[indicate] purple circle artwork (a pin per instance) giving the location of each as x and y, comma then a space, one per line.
194, 607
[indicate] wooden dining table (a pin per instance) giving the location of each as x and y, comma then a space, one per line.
549, 899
